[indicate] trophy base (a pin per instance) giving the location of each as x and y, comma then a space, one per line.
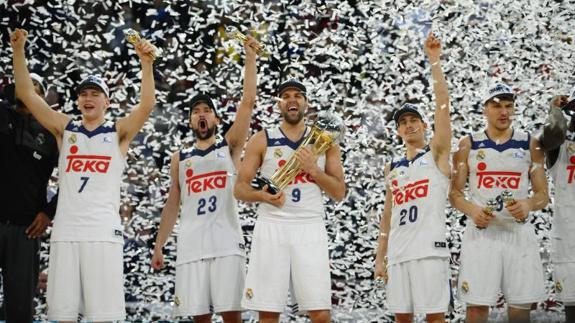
272, 188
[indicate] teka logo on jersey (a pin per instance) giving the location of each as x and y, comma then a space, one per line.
571, 170
301, 178
411, 191
87, 163
497, 179
206, 181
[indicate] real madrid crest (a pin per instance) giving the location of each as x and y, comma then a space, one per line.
465, 287
480, 154
72, 138
558, 287
278, 153
571, 148
249, 293
177, 300
188, 164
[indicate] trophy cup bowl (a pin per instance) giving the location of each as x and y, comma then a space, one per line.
134, 38
327, 131
235, 33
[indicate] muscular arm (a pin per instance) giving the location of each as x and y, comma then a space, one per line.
53, 121
331, 181
172, 207
238, 132
384, 228
540, 197
129, 125
441, 142
253, 159
459, 178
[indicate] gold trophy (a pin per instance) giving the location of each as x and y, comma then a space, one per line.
490, 207
134, 38
327, 131
235, 33
508, 199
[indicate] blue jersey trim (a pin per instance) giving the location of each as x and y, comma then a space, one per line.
285, 141
77, 126
404, 162
185, 154
509, 144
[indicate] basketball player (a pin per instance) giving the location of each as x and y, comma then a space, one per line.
500, 252
290, 240
412, 241
210, 268
86, 265
558, 141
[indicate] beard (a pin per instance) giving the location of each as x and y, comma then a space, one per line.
293, 120
206, 135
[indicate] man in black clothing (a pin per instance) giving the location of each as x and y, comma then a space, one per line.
28, 154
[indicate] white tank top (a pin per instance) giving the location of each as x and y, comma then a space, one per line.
419, 195
209, 225
494, 168
304, 199
90, 171
563, 174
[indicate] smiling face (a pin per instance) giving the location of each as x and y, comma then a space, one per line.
292, 105
411, 129
203, 121
93, 103
499, 113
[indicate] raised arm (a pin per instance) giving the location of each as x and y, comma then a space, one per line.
169, 213
554, 130
53, 121
384, 228
331, 181
129, 125
441, 142
253, 160
238, 132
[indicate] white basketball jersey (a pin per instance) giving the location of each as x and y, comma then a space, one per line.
304, 199
494, 168
419, 195
563, 174
90, 169
209, 225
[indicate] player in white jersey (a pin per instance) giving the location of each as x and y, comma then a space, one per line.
290, 240
86, 262
412, 253
558, 141
500, 252
210, 266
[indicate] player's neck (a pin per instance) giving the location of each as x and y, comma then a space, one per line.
413, 149
93, 123
293, 131
499, 135
206, 143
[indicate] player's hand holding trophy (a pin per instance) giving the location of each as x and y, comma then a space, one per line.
134, 38
328, 130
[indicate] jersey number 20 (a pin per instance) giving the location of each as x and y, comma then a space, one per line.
410, 214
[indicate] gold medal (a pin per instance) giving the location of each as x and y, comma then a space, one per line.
558, 287
177, 300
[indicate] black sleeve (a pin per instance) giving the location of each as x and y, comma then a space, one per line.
50, 207
553, 135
